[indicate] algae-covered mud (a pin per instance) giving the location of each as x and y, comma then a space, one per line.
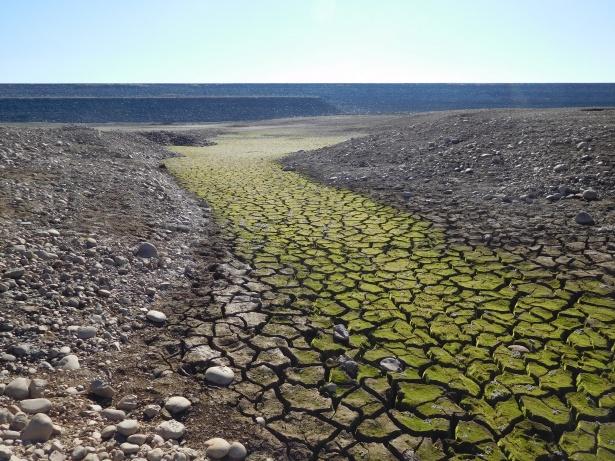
369, 335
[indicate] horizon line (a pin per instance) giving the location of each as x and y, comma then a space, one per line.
313, 83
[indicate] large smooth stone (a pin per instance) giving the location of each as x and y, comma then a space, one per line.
18, 389
217, 448
171, 429
69, 362
219, 375
33, 406
177, 404
39, 429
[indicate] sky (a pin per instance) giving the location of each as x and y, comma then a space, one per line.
255, 41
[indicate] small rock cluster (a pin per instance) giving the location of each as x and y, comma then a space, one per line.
128, 430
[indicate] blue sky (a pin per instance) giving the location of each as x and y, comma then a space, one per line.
307, 41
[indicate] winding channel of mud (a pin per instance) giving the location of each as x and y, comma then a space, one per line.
500, 357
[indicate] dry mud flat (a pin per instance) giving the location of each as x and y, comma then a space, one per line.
362, 331
351, 329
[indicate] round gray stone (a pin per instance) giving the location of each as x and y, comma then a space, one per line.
156, 317
590, 194
33, 406
102, 389
584, 218
219, 375
177, 404
391, 364
113, 414
171, 429
18, 389
39, 429
86, 332
69, 362
127, 427
217, 448
237, 452
146, 250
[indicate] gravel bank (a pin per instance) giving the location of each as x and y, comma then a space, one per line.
502, 176
95, 240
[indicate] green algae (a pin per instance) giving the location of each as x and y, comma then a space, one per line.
449, 312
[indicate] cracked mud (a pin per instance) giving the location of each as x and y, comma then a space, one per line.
359, 331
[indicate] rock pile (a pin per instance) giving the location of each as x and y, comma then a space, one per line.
93, 236
532, 171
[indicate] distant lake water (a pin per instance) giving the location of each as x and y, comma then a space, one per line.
227, 102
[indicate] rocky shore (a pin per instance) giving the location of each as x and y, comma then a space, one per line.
95, 238
500, 176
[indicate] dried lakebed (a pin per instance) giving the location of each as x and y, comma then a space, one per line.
358, 331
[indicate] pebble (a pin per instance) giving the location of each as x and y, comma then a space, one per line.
559, 167
237, 452
350, 367
329, 388
129, 448
391, 364
151, 411
5, 416
102, 389
20, 421
37, 388
171, 429
128, 402
219, 375
18, 389
69, 362
156, 317
217, 448
340, 333
565, 190
78, 453
127, 427
146, 250
10, 435
584, 218
518, 348
590, 194
39, 429
155, 455
137, 439
33, 406
86, 332
554, 197
177, 404
113, 414
108, 432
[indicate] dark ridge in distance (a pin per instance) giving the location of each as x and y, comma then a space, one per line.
158, 109
369, 98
